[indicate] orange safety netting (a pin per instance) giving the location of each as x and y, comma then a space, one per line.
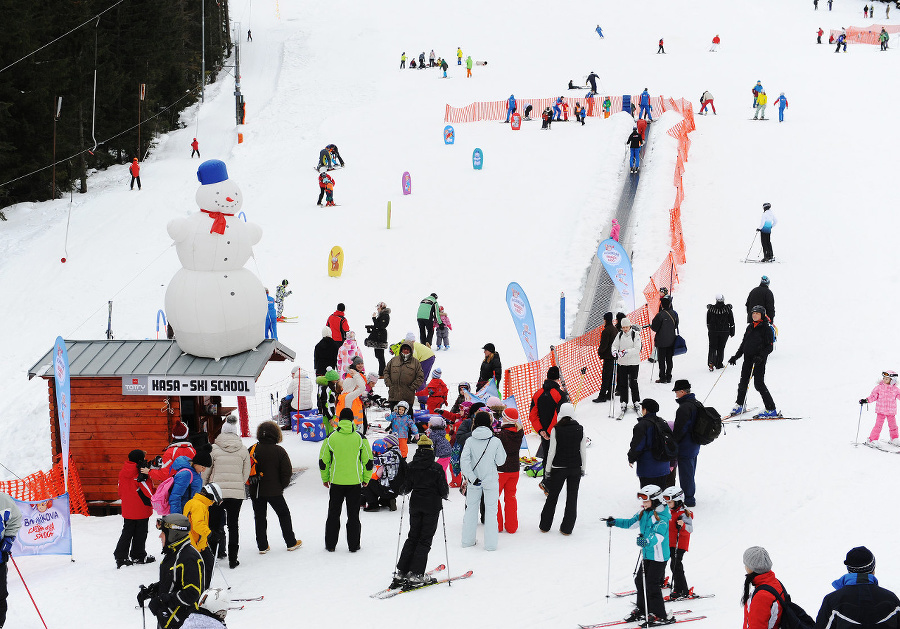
865, 34
45, 485
580, 353
496, 110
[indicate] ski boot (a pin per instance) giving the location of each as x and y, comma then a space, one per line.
773, 414
637, 408
418, 580
635, 615
398, 580
738, 409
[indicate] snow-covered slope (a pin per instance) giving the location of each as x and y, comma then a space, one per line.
323, 73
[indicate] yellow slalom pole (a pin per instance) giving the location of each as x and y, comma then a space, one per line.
389, 215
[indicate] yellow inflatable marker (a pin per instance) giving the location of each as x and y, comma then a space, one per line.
335, 262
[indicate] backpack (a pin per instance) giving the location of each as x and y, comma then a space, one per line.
792, 616
255, 475
535, 469
664, 448
707, 425
160, 498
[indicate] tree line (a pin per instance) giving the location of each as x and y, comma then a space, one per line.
151, 43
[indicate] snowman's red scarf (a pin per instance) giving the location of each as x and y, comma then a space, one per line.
218, 226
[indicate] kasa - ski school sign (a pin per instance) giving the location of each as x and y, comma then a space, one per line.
188, 385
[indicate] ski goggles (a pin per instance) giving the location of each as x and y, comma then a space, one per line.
644, 496
889, 374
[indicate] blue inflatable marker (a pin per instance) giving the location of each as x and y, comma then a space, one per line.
449, 135
477, 159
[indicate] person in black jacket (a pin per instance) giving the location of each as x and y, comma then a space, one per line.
177, 593
683, 431
761, 296
324, 354
273, 465
665, 324
565, 464
719, 326
545, 404
378, 336
490, 367
634, 143
755, 347
604, 351
426, 482
858, 600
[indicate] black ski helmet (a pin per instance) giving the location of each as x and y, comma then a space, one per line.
766, 206
175, 527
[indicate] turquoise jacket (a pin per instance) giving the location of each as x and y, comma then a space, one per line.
654, 525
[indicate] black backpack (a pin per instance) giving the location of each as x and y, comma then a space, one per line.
665, 448
707, 425
792, 616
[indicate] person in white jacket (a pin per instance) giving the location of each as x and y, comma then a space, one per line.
230, 470
478, 463
766, 222
627, 348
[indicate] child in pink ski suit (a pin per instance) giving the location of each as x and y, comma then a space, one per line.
885, 395
614, 232
443, 327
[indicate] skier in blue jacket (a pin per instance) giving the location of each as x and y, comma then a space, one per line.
271, 317
511, 107
782, 103
557, 109
599, 31
756, 91
645, 105
652, 521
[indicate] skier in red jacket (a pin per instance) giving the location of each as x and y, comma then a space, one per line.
135, 491
135, 170
195, 148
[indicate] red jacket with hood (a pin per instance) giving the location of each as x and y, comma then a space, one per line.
135, 496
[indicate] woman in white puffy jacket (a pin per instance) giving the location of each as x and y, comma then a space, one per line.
230, 469
626, 348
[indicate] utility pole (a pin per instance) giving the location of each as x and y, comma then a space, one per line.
57, 106
203, 51
140, 99
238, 97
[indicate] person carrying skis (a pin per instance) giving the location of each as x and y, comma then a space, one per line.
782, 103
195, 148
646, 107
426, 484
762, 295
681, 525
280, 293
511, 106
766, 223
135, 170
634, 143
652, 522
757, 344
627, 348
565, 465
10, 523
719, 326
885, 395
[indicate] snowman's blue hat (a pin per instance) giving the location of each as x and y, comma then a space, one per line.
212, 171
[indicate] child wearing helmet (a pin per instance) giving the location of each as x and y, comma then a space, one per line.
652, 522
177, 593
327, 399
403, 426
885, 395
280, 293
388, 475
680, 528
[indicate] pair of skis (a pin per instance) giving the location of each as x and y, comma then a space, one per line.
680, 615
878, 445
391, 592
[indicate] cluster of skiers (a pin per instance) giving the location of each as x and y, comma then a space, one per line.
439, 62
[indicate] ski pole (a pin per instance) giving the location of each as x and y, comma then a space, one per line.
578, 390
644, 577
747, 257
858, 424
400, 532
608, 561
714, 384
612, 387
144, 616
446, 548
29, 591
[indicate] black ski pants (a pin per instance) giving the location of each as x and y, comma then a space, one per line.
337, 496
379, 356
321, 196
717, 341
4, 592
766, 239
138, 180
376, 495
626, 377
606, 386
656, 571
133, 537
426, 331
665, 355
220, 515
422, 527
559, 476
676, 563
209, 562
260, 509
759, 382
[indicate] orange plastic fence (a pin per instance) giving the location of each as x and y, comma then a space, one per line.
580, 353
44, 485
496, 110
865, 34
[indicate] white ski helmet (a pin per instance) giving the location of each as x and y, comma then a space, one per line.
890, 373
649, 492
673, 493
216, 601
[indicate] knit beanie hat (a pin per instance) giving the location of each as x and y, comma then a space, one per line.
230, 426
860, 559
625, 322
425, 442
180, 431
202, 458
346, 413
136, 456
510, 416
436, 422
757, 559
553, 373
410, 337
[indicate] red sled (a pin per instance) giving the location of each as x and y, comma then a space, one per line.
516, 121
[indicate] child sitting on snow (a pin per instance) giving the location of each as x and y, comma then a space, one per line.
388, 476
437, 432
680, 528
443, 327
885, 396
403, 426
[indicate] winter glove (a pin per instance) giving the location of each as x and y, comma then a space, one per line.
863, 401
145, 593
155, 606
610, 522
622, 352
6, 545
642, 541
214, 537
732, 360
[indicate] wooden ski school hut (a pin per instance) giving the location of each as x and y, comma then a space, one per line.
129, 394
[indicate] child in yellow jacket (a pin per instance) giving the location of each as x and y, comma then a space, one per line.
196, 510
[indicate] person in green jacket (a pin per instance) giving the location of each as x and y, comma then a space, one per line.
468, 66
403, 60
345, 462
426, 316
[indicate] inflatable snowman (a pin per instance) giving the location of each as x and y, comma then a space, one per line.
216, 306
